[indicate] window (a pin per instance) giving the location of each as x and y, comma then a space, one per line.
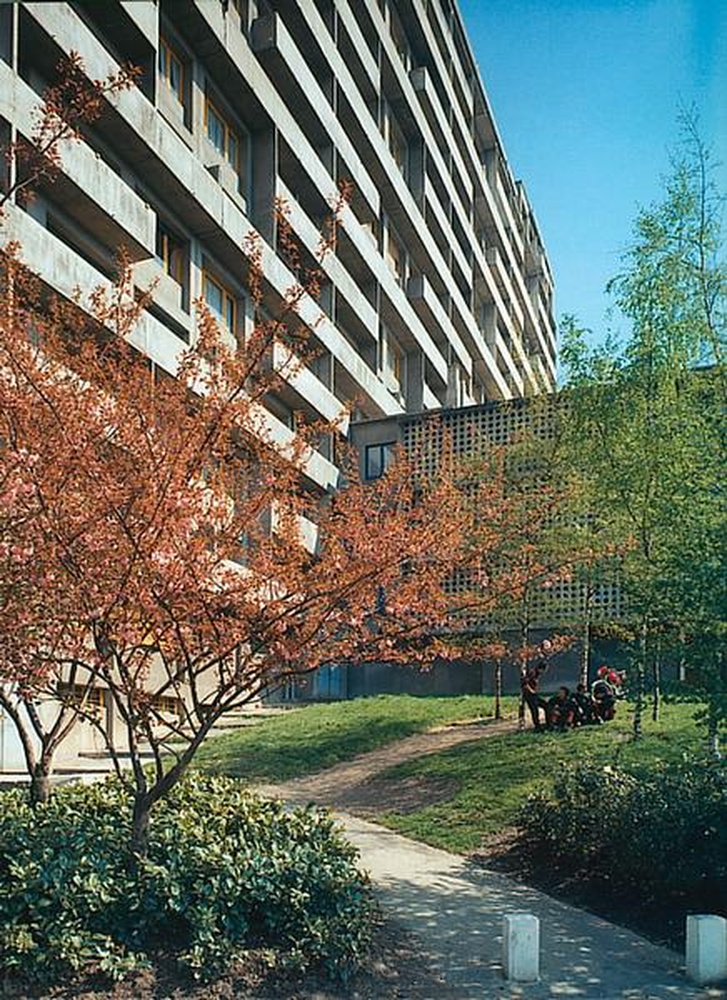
242, 8
222, 136
393, 360
399, 36
171, 69
396, 257
170, 253
91, 700
168, 705
378, 458
220, 302
392, 363
398, 146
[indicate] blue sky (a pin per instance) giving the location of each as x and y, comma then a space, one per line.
586, 95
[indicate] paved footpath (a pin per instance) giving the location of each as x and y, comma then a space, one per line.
455, 908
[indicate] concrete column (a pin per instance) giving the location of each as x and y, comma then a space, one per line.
521, 947
414, 388
417, 162
706, 948
264, 169
9, 34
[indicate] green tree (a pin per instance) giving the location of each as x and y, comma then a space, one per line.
646, 432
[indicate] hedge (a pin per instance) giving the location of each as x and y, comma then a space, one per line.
225, 872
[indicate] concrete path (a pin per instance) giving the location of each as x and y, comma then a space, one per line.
455, 908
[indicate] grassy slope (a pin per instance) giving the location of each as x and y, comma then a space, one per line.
491, 780
317, 737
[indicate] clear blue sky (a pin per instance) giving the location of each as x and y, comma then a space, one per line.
586, 95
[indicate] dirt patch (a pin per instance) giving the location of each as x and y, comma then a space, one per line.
342, 785
397, 969
380, 795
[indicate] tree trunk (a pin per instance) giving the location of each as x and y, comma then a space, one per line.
524, 661
498, 689
40, 779
585, 655
140, 826
713, 733
682, 665
640, 674
586, 651
656, 680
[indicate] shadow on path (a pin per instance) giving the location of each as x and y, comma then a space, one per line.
456, 910
455, 907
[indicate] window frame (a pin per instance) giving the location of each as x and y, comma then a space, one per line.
229, 300
166, 54
385, 451
165, 252
228, 132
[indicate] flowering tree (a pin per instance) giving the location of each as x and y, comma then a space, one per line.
159, 543
71, 103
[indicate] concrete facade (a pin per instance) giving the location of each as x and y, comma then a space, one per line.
439, 293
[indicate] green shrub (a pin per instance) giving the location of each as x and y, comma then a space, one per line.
225, 872
663, 828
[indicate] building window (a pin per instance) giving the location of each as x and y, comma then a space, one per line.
243, 9
171, 253
90, 700
396, 257
220, 301
392, 364
222, 136
398, 146
399, 36
168, 705
171, 69
378, 458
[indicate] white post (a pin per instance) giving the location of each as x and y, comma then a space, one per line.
706, 948
521, 947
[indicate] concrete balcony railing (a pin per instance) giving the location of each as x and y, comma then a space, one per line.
310, 387
116, 213
63, 270
167, 293
280, 56
334, 269
205, 202
432, 199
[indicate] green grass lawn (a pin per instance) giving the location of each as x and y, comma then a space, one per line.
492, 779
314, 738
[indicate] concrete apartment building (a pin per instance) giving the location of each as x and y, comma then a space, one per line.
439, 293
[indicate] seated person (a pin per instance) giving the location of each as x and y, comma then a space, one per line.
561, 709
583, 706
604, 696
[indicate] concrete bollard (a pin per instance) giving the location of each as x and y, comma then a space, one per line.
706, 948
521, 947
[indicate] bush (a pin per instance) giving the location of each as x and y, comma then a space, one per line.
663, 828
226, 872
